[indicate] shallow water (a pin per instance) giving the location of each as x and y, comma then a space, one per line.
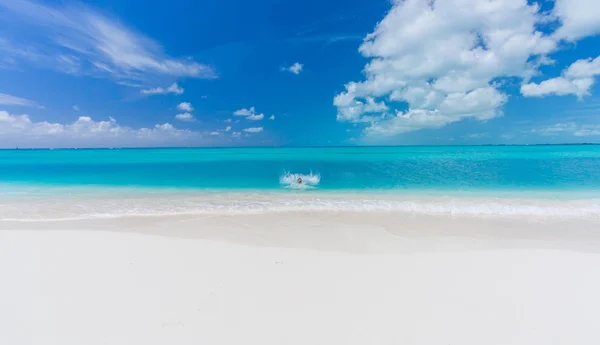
486, 180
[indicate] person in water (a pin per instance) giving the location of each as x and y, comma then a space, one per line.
299, 180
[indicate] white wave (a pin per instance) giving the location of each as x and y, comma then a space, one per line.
290, 180
50, 208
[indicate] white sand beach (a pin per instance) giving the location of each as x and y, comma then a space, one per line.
300, 278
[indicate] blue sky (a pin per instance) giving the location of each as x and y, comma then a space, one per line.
206, 73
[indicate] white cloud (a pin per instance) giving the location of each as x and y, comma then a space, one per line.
272, 117
227, 121
296, 68
20, 130
576, 129
250, 114
480, 104
75, 107
236, 134
215, 133
437, 62
185, 117
185, 106
253, 129
255, 117
576, 80
13, 100
559, 86
584, 68
227, 129
174, 88
244, 112
105, 44
578, 18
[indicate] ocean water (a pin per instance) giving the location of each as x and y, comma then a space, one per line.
511, 180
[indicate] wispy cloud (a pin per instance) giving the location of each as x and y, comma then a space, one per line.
92, 40
75, 107
253, 130
13, 100
477, 136
296, 68
174, 88
326, 39
573, 128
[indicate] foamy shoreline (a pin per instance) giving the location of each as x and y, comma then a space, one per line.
300, 278
34, 207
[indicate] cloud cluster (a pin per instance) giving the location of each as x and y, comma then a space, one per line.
186, 107
20, 130
86, 41
436, 62
251, 115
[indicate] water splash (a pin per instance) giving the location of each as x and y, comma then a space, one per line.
290, 180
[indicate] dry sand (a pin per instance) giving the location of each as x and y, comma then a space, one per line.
300, 278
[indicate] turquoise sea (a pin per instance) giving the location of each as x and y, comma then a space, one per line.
223, 177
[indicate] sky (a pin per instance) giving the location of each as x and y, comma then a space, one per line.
112, 73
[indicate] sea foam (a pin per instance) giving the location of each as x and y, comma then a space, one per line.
164, 204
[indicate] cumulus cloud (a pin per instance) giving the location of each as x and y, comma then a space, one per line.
272, 117
96, 42
578, 18
185, 117
250, 114
253, 129
433, 63
20, 130
13, 100
576, 80
296, 68
174, 88
576, 129
227, 129
185, 106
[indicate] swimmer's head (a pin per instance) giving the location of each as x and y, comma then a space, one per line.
299, 179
